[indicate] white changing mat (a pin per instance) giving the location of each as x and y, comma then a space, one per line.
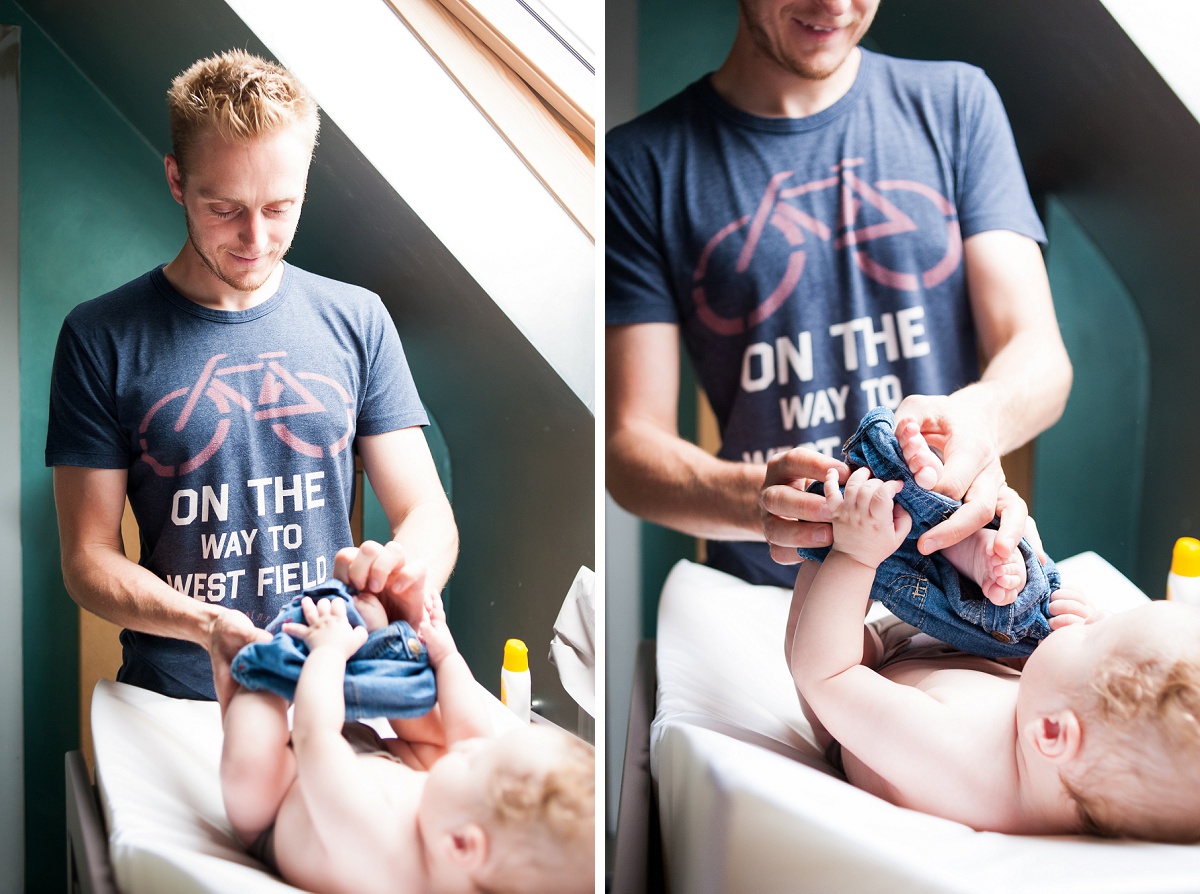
157, 761
748, 804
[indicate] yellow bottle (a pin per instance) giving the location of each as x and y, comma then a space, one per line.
515, 688
1183, 583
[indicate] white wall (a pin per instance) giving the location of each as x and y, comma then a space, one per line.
468, 185
622, 537
12, 763
1166, 33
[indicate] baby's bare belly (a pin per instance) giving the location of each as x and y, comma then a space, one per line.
352, 864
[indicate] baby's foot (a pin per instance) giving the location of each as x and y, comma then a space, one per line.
1001, 579
925, 465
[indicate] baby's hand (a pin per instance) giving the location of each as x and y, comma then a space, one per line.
434, 632
327, 627
868, 526
1070, 606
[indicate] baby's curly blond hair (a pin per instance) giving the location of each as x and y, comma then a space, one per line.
548, 817
1141, 781
240, 96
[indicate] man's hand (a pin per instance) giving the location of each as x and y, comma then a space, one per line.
385, 571
970, 465
230, 632
791, 517
327, 626
868, 526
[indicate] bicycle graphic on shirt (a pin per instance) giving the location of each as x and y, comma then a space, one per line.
775, 210
282, 395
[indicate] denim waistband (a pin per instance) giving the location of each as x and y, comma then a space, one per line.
389, 675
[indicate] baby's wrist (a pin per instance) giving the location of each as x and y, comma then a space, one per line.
855, 558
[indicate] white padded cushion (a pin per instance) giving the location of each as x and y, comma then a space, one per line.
747, 803
158, 762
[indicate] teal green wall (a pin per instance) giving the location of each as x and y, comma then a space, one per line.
678, 42
1089, 474
675, 49
95, 212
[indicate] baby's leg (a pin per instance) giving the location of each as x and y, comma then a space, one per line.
257, 764
1001, 580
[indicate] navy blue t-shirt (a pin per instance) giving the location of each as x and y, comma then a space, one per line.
813, 265
237, 428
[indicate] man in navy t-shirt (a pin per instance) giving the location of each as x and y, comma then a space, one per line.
226, 393
827, 230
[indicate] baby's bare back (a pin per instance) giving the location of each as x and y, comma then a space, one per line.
371, 853
963, 765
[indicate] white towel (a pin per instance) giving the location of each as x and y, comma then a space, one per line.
573, 648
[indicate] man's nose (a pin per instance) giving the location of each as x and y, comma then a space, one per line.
254, 230
835, 7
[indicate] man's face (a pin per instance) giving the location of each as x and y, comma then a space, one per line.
242, 202
809, 38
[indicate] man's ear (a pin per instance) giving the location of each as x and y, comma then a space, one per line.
1057, 737
468, 846
174, 179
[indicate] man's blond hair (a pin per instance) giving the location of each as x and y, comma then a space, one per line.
1142, 779
238, 95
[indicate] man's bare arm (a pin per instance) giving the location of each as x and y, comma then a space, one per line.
650, 470
101, 579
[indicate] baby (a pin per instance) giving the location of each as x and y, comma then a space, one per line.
443, 807
1099, 734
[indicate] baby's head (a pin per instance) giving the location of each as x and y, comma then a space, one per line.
1119, 706
516, 812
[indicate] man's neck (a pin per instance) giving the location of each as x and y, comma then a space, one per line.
192, 279
757, 84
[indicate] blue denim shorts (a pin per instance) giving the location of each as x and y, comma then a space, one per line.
389, 676
927, 591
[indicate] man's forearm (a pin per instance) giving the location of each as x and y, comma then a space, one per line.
672, 482
428, 532
106, 583
1026, 385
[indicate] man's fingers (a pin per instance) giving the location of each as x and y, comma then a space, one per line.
787, 535
968, 519
1014, 518
788, 503
799, 464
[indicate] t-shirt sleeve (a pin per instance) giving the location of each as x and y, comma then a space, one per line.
84, 428
636, 281
390, 400
994, 194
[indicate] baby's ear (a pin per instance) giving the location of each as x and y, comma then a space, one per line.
468, 846
1056, 737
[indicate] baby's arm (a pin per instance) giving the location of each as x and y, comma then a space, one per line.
893, 728
346, 811
461, 712
867, 529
